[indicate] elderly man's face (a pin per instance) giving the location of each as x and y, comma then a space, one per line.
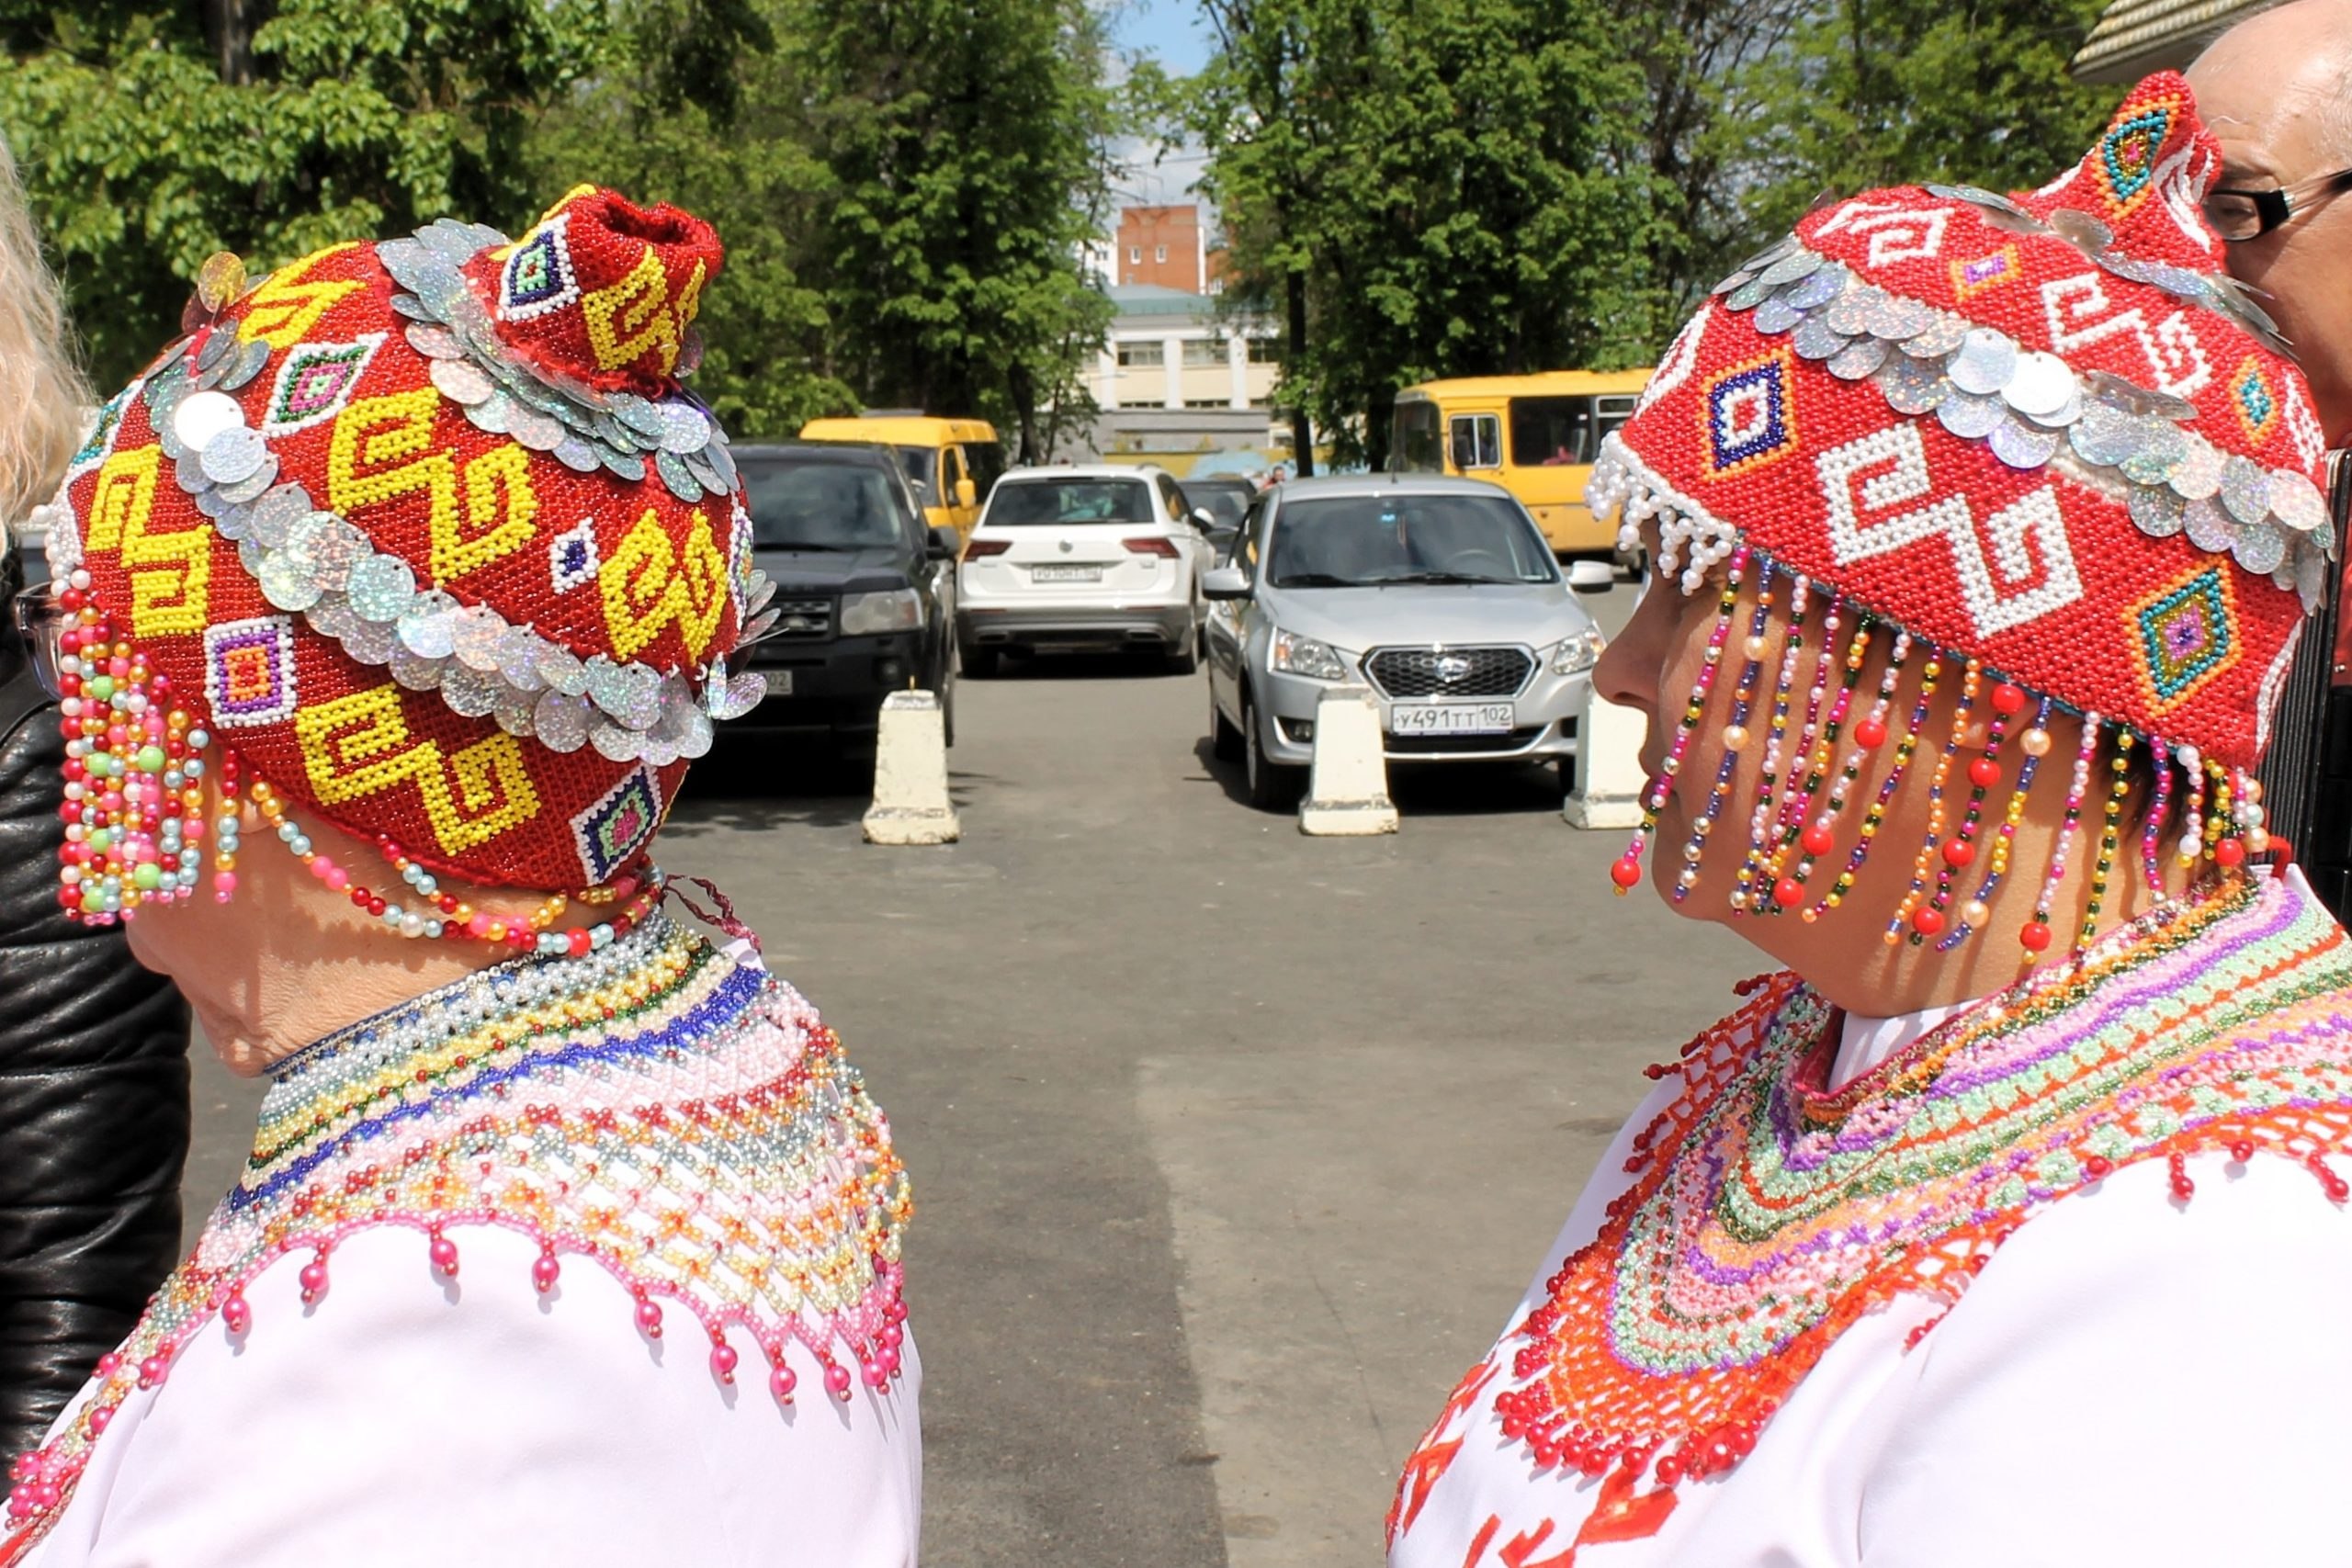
2276, 90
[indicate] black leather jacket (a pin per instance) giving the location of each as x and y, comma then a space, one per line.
94, 1098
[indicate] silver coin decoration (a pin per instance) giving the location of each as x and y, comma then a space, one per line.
1816, 339
461, 381
470, 692
2040, 384
476, 633
2156, 513
1984, 362
2022, 446
1850, 312
2260, 547
2208, 526
2156, 448
1790, 268
1859, 358
1970, 415
286, 583
381, 587
2198, 476
2245, 491
429, 629
2297, 503
562, 720
683, 429
1777, 315
1942, 336
417, 674
200, 416
1818, 288
514, 712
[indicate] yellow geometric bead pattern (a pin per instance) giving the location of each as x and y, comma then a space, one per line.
171, 574
629, 318
647, 583
282, 311
360, 744
365, 467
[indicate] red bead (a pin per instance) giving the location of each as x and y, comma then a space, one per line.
2099, 1166
1788, 892
2229, 852
1958, 852
1817, 840
2035, 936
1870, 733
2007, 698
1626, 871
375, 904
359, 897
1984, 772
577, 943
1927, 922
2242, 1150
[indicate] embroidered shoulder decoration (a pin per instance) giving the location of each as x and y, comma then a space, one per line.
652, 1108
1770, 1214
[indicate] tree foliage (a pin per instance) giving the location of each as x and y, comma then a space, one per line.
149, 142
1456, 184
967, 146
1427, 187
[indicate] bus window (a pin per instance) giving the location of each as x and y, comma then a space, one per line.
988, 464
1550, 433
1613, 410
1414, 446
1476, 441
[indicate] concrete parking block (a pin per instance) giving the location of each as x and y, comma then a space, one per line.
1347, 795
910, 800
1609, 780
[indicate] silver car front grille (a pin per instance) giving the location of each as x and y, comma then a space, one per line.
803, 620
1450, 671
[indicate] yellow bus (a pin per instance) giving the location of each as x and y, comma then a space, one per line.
1534, 435
954, 463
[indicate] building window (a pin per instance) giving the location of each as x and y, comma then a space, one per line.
1265, 351
1141, 354
1134, 254
1203, 350
1204, 402
1160, 253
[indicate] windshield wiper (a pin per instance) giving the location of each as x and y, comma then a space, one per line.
1436, 577
1317, 580
805, 545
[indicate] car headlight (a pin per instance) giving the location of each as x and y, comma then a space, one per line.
892, 610
1298, 655
1578, 653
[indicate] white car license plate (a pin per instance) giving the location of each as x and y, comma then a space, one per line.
1452, 718
779, 682
1065, 574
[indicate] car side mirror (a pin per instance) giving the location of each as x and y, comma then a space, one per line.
966, 493
946, 544
1225, 582
1201, 518
1591, 576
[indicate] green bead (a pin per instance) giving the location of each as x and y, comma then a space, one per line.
101, 686
150, 760
100, 839
148, 877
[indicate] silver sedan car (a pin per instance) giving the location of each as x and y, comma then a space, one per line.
1438, 594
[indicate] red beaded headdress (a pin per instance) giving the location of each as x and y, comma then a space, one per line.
423, 538
2044, 438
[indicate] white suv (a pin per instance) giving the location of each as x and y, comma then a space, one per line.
1083, 557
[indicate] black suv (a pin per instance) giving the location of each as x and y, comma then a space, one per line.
867, 596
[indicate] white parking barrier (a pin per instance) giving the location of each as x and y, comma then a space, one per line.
1347, 795
910, 802
1609, 780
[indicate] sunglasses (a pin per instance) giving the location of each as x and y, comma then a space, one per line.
41, 622
2238, 214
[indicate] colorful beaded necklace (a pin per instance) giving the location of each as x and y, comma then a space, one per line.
1770, 1212
677, 1119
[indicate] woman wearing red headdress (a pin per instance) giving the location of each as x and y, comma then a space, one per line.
395, 599
2006, 1222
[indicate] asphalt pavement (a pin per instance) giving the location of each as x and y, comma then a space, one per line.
1231, 1148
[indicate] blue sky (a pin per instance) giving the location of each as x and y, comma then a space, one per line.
1168, 30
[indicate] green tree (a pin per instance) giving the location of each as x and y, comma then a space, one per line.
151, 138
724, 135
1449, 188
967, 145
1867, 93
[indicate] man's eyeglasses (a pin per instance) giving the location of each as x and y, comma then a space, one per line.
2249, 214
41, 621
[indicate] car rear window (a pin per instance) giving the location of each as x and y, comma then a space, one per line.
1021, 503
1224, 502
1363, 541
811, 505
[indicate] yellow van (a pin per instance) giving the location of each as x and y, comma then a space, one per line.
954, 463
1534, 435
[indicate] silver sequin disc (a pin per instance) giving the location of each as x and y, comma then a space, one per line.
2155, 511
1816, 290
1969, 415
561, 721
381, 587
2245, 491
2022, 446
1814, 338
1984, 362
2208, 529
200, 416
2041, 383
2261, 548
1856, 360
462, 381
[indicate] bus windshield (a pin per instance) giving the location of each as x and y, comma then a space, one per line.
1414, 445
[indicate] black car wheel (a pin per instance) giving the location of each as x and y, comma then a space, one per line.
1272, 786
1224, 740
977, 660
948, 669
1185, 656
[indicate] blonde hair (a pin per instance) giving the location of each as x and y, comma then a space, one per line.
43, 399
